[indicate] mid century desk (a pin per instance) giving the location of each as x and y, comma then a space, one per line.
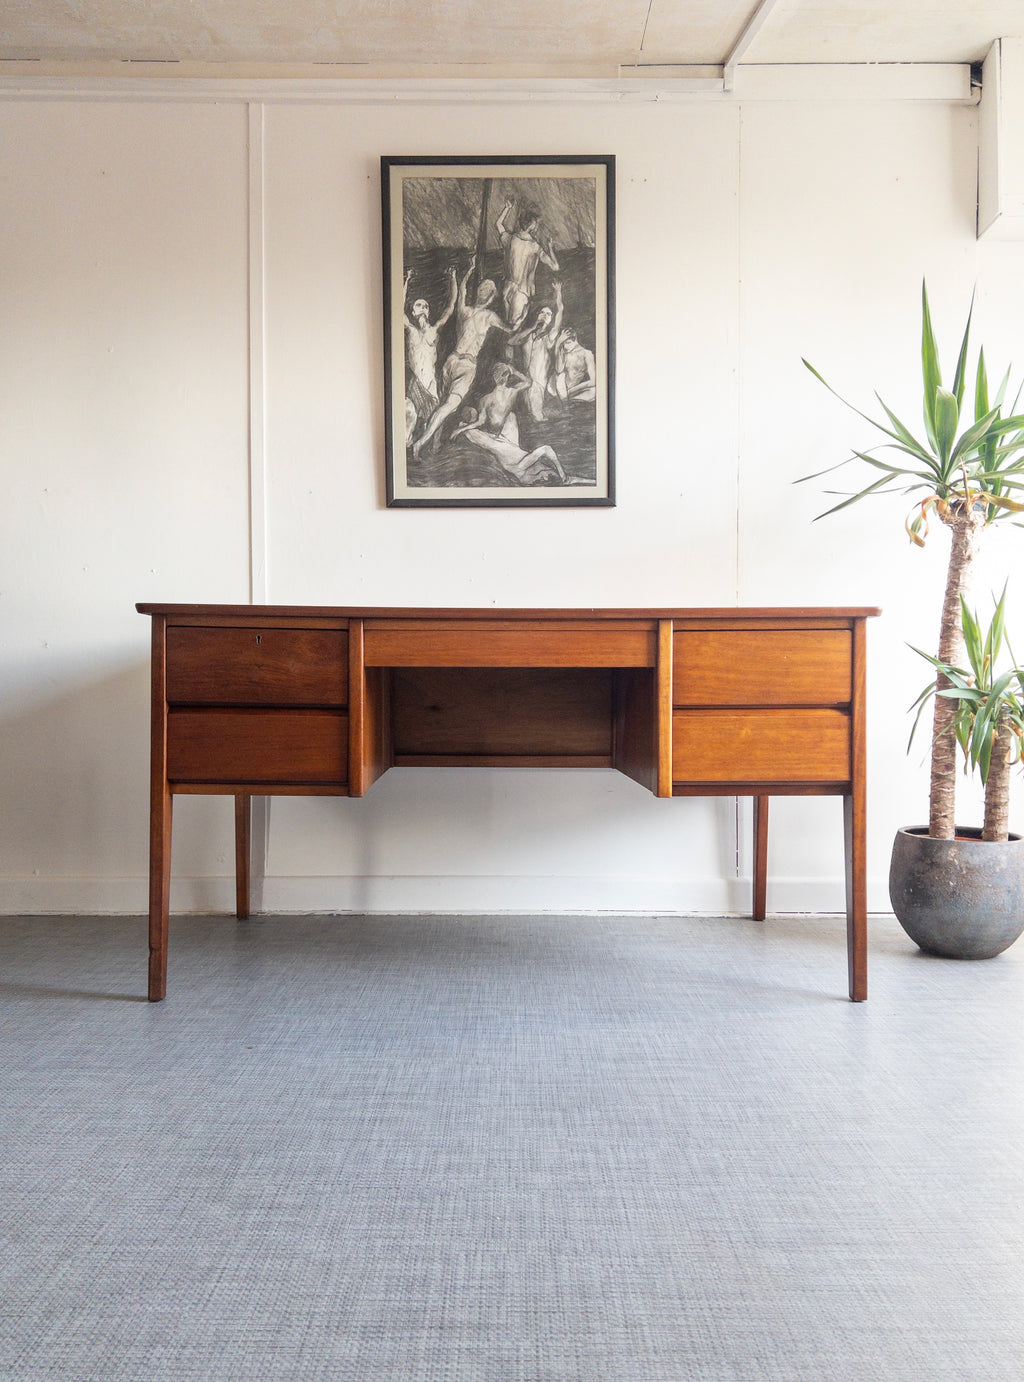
273, 700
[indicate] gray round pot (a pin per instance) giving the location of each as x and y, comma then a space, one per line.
962, 899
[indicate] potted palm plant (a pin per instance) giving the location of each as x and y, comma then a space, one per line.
984, 914
967, 471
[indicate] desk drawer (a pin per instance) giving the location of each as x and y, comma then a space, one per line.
264, 746
761, 667
257, 666
760, 746
510, 643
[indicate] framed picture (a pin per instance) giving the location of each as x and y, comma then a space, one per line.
498, 331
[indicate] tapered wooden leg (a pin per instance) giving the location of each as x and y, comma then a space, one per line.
760, 857
856, 896
159, 891
243, 853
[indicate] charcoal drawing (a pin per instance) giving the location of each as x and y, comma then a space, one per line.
499, 341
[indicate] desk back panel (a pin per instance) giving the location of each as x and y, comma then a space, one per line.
503, 714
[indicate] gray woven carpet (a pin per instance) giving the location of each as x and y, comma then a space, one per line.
521, 1149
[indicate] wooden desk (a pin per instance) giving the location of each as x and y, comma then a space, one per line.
273, 700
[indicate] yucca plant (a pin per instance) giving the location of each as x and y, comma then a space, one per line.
988, 710
967, 476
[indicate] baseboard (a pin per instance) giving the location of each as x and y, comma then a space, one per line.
440, 894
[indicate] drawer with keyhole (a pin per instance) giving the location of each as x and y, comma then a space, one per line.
257, 666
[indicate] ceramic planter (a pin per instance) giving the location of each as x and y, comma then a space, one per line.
963, 898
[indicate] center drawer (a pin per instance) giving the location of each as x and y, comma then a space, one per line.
510, 643
257, 666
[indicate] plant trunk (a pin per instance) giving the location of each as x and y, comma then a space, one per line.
965, 525
997, 784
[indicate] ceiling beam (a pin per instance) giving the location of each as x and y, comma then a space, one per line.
750, 31
947, 83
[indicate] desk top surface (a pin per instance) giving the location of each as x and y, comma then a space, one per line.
493, 612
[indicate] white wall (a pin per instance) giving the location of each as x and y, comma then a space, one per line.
748, 234
123, 414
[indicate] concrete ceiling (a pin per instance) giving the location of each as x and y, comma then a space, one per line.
555, 34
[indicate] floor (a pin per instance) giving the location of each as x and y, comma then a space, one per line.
528, 1149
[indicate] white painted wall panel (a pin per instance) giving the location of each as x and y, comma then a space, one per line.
123, 387
845, 210
330, 538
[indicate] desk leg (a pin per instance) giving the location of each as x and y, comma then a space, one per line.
159, 891
243, 853
760, 857
856, 896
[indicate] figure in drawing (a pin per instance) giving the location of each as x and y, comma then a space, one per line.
527, 467
537, 343
421, 347
575, 369
523, 252
474, 323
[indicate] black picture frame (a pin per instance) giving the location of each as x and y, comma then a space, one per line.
499, 339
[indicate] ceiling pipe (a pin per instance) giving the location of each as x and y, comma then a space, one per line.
750, 31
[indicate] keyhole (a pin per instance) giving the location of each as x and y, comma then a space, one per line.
259, 638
